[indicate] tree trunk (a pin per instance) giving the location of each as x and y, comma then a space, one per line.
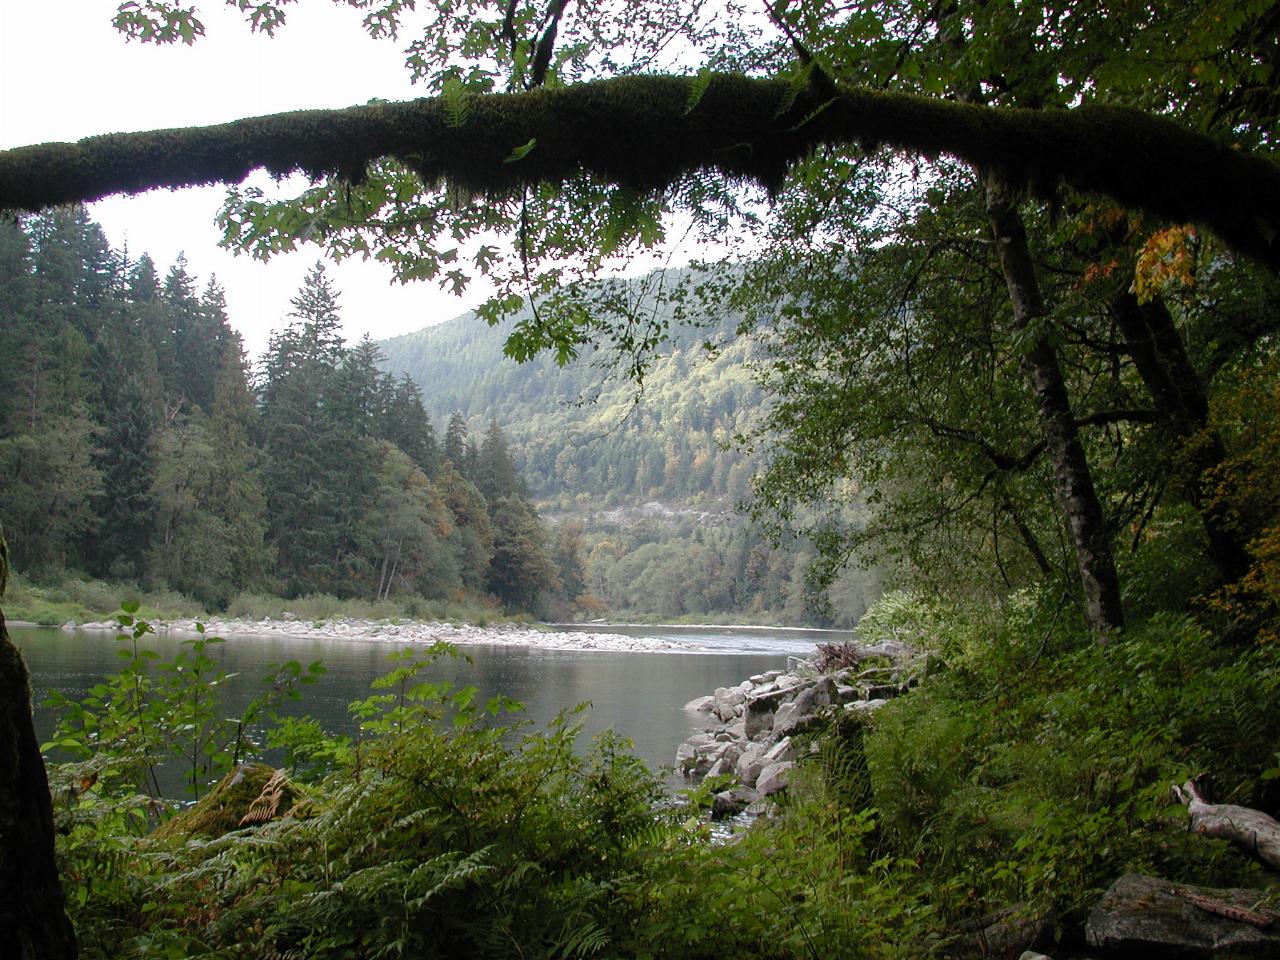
1073, 481
33, 918
1250, 829
1161, 360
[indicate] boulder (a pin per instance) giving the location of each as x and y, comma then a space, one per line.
771, 695
1146, 916
864, 706
686, 759
250, 794
751, 763
729, 803
729, 752
780, 752
782, 719
701, 704
763, 678
885, 691
721, 767
773, 779
821, 694
758, 718
801, 713
727, 699
738, 729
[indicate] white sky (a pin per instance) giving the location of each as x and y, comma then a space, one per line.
65, 73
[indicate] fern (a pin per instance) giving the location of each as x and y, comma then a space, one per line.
697, 89
456, 101
584, 939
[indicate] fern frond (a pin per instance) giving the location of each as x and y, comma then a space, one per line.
697, 89
455, 99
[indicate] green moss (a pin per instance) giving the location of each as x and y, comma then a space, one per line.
639, 132
224, 808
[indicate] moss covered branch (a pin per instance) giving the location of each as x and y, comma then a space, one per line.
641, 132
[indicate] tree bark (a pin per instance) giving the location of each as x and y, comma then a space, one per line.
1161, 360
1072, 478
646, 132
1252, 830
33, 917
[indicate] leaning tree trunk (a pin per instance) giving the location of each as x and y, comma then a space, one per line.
1161, 360
33, 917
1072, 479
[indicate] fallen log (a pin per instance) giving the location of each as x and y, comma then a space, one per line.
1250, 829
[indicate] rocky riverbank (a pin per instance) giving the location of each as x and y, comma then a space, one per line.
751, 727
412, 632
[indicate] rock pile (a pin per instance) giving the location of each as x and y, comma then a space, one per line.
752, 726
387, 631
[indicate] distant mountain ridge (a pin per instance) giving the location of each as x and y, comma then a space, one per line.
675, 444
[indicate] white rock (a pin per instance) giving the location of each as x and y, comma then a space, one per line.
783, 718
865, 706
773, 778
751, 763
780, 752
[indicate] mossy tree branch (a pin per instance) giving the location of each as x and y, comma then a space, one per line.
640, 132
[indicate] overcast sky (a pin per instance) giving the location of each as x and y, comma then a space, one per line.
65, 74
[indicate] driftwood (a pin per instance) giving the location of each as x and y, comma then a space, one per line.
1249, 829
1228, 910
1149, 917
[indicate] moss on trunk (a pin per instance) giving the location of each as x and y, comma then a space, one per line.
642, 132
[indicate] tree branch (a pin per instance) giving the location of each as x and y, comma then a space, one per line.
1252, 830
641, 132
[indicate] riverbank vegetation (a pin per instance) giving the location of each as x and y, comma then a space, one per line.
1025, 772
82, 601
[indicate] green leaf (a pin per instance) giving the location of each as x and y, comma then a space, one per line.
697, 89
519, 153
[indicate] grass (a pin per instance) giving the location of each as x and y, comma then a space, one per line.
53, 604
82, 601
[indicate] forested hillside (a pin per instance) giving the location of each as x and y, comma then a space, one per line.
580, 433
651, 478
138, 445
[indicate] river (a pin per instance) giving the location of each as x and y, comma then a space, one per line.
640, 695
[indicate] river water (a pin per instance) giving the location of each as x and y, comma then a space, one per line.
640, 695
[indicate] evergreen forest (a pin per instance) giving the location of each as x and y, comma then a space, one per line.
139, 446
987, 342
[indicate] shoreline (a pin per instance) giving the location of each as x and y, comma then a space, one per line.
745, 628
418, 632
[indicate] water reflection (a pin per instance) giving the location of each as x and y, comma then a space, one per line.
640, 695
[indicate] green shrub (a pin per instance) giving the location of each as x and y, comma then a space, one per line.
1040, 771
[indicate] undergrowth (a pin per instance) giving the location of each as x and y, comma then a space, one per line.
1027, 771
54, 603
